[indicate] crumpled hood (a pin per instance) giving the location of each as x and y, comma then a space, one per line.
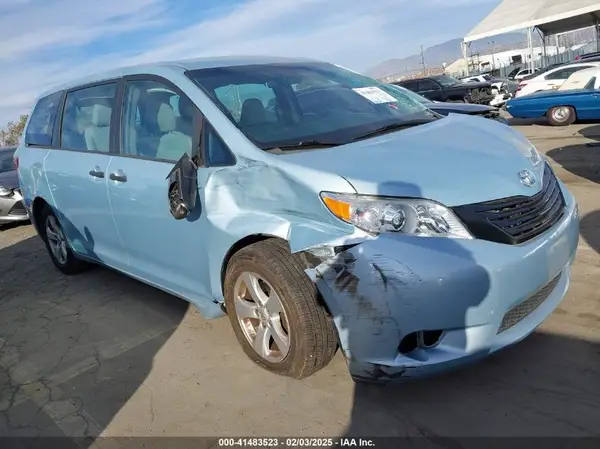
455, 160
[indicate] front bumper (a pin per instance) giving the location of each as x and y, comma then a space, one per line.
12, 208
500, 99
383, 291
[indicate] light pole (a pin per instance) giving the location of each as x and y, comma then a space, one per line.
492, 45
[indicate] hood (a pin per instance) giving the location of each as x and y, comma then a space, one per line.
455, 160
9, 179
461, 108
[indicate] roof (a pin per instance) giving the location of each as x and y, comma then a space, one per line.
179, 66
549, 16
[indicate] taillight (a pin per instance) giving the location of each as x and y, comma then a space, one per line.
521, 86
16, 162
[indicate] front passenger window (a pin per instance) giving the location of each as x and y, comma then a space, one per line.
158, 122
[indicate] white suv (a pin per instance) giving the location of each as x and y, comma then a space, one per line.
552, 79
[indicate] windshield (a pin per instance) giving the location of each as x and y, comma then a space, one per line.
446, 80
6, 161
410, 94
282, 105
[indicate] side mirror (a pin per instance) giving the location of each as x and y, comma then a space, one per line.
182, 187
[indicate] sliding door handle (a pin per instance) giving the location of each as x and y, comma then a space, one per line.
118, 176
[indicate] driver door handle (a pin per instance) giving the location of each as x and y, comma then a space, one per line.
96, 172
118, 176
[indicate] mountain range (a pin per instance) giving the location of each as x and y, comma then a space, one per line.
448, 52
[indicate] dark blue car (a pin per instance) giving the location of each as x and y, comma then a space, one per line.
561, 108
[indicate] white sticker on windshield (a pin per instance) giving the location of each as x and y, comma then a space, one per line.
375, 95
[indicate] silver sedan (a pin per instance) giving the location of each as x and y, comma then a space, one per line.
12, 208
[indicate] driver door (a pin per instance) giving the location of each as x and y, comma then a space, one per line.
156, 130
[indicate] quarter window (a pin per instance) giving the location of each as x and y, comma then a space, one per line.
158, 122
41, 124
87, 118
217, 152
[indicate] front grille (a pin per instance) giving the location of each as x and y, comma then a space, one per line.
18, 210
520, 311
516, 219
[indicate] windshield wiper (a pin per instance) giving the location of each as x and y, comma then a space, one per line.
393, 127
304, 144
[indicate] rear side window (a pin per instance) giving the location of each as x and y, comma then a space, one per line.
87, 118
565, 73
425, 85
412, 85
41, 125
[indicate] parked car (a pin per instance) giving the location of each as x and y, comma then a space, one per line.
562, 108
12, 208
552, 79
594, 54
500, 88
447, 88
583, 79
345, 216
545, 69
478, 110
523, 73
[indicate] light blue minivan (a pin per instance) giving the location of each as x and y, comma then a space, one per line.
316, 207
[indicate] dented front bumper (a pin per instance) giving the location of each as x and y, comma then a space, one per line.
384, 291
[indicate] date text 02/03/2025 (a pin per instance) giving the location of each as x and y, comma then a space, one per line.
294, 442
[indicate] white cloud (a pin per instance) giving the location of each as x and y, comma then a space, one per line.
42, 39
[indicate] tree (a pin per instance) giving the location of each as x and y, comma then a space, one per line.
10, 136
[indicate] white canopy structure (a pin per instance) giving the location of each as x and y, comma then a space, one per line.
550, 17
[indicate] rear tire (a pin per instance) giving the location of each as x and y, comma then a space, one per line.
57, 244
274, 307
561, 116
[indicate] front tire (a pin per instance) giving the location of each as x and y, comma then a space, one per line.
58, 246
562, 116
276, 312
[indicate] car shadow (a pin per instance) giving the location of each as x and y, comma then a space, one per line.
582, 160
541, 121
73, 349
590, 229
545, 386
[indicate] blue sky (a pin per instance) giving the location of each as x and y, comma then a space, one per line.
45, 42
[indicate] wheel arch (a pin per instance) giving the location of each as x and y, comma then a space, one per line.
256, 238
37, 206
241, 244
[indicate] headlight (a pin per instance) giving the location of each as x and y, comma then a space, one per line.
404, 215
5, 192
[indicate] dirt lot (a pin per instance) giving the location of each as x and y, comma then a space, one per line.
103, 354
